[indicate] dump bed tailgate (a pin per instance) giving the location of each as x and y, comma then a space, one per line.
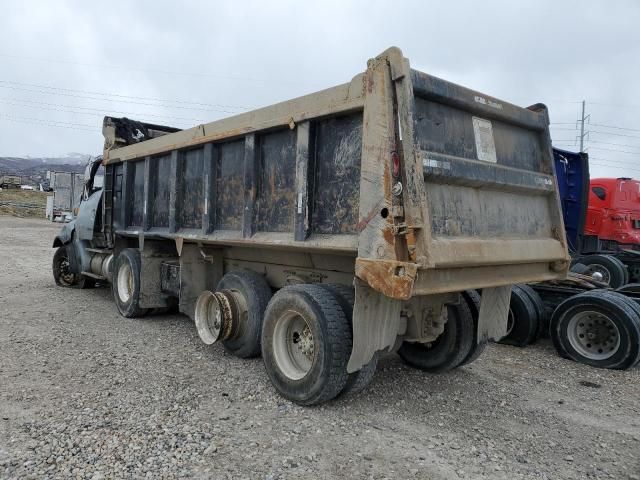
491, 194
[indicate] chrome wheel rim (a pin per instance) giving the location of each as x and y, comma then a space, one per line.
125, 282
593, 335
293, 345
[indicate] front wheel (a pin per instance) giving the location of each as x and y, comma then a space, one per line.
62, 274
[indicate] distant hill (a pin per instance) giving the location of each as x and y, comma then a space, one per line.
33, 170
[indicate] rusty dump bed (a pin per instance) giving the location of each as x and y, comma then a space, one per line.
427, 186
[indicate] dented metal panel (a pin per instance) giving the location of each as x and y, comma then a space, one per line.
337, 174
228, 200
276, 183
191, 189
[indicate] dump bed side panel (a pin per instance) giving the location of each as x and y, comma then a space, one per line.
247, 189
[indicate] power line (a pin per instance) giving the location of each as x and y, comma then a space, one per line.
50, 123
615, 105
134, 97
614, 166
87, 97
615, 134
89, 111
139, 69
615, 162
613, 150
616, 144
617, 128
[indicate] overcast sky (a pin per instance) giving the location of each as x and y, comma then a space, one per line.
63, 65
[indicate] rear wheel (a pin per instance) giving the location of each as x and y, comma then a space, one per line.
538, 305
597, 328
473, 300
356, 381
447, 351
522, 320
126, 283
252, 294
306, 343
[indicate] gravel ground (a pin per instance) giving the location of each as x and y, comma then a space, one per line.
85, 393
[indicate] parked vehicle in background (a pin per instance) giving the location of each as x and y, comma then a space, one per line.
67, 188
613, 215
10, 181
587, 321
325, 229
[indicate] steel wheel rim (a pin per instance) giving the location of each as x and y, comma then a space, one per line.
593, 335
293, 345
602, 270
64, 275
125, 282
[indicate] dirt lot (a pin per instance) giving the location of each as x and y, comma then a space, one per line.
85, 393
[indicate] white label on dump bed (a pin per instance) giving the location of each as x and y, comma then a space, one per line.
485, 146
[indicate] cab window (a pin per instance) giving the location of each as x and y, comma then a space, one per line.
599, 192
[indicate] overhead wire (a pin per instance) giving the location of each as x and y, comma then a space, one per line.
133, 97
89, 111
50, 123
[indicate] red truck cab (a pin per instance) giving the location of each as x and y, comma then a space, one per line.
613, 214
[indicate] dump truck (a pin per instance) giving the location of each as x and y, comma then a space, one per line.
10, 181
321, 231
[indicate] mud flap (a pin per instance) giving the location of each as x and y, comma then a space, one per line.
201, 269
376, 323
494, 309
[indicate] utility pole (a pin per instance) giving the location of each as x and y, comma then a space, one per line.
583, 119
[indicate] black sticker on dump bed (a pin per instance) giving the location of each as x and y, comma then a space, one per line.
485, 146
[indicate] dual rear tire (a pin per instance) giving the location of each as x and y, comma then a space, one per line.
458, 345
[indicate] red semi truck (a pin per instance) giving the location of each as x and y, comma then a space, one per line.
613, 214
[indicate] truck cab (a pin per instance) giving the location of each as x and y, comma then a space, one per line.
613, 214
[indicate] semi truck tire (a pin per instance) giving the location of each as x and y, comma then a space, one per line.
473, 300
597, 328
306, 344
450, 349
255, 294
632, 288
579, 268
613, 271
538, 304
356, 381
62, 274
522, 323
621, 297
126, 283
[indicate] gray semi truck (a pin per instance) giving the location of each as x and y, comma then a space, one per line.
321, 231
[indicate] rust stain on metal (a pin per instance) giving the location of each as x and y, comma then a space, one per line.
388, 236
391, 278
362, 224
